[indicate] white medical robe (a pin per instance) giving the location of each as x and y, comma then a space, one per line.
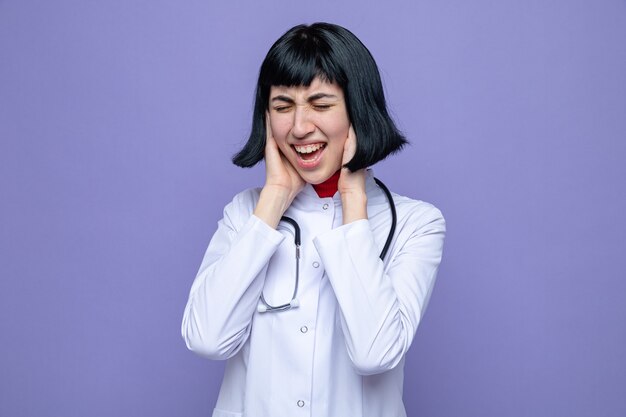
341, 352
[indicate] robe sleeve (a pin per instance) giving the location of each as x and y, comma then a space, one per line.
381, 309
225, 293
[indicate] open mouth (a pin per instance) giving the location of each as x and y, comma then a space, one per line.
309, 152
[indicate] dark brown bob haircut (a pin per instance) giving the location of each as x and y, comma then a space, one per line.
336, 55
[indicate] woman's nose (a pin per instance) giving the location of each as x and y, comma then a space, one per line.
302, 123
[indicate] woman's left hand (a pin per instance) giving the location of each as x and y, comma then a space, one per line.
351, 185
350, 182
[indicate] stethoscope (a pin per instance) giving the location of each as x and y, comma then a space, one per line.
267, 307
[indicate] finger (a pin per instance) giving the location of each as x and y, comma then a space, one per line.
270, 142
349, 148
293, 172
268, 129
272, 154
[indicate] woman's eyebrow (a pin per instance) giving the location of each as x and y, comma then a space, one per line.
318, 96
283, 99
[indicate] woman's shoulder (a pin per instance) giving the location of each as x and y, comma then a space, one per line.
417, 211
240, 208
407, 208
244, 201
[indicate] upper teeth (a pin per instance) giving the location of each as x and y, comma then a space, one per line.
308, 148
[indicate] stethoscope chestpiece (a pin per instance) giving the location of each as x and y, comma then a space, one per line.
264, 308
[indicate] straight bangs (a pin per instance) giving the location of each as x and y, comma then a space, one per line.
297, 62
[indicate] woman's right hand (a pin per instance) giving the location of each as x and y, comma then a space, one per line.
279, 173
282, 182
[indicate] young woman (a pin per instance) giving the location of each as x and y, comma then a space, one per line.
313, 286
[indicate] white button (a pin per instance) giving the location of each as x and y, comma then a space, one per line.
325, 206
316, 264
300, 403
304, 329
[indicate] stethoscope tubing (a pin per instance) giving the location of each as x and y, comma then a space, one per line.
293, 302
394, 217
267, 307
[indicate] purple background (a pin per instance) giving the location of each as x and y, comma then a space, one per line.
117, 122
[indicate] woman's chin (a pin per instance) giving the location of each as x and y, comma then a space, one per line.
315, 178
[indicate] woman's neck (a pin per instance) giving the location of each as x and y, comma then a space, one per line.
329, 187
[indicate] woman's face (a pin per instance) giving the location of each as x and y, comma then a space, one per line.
310, 125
